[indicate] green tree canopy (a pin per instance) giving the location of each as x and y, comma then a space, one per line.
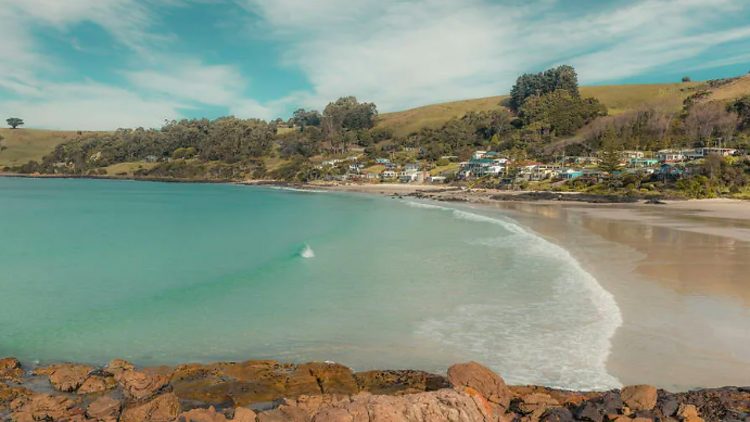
611, 153
14, 122
528, 85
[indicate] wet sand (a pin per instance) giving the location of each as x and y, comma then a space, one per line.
681, 277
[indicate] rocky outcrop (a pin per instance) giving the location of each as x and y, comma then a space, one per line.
68, 378
46, 407
104, 409
10, 370
325, 392
165, 408
439, 406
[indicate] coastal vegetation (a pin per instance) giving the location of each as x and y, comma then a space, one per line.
546, 118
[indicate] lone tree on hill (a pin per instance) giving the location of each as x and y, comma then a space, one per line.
14, 122
686, 79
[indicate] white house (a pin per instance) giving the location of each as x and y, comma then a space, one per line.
478, 155
724, 152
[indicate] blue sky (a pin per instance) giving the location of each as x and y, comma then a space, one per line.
103, 64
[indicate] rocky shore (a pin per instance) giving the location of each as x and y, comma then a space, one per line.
267, 391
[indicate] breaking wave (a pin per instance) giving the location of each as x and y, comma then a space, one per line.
307, 253
563, 342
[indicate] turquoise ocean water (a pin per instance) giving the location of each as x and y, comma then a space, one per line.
173, 273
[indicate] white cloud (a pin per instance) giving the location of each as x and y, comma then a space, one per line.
402, 54
193, 81
90, 106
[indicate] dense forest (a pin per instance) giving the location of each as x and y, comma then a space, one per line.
544, 119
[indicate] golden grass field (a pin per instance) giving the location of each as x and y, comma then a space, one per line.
24, 145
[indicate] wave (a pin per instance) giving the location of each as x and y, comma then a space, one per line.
307, 253
557, 343
288, 189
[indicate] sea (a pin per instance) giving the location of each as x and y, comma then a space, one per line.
166, 274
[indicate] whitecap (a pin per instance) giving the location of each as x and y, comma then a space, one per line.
307, 253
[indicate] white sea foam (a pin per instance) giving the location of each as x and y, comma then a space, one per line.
288, 189
563, 342
426, 206
307, 253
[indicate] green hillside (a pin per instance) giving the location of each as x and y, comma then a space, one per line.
24, 145
618, 98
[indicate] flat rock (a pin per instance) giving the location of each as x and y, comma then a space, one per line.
10, 393
399, 382
10, 370
639, 397
97, 384
118, 367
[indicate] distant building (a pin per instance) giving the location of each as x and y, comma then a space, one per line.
383, 161
152, 159
629, 155
478, 155
642, 162
568, 173
388, 174
437, 179
724, 152
411, 167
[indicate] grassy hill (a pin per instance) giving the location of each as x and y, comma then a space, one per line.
24, 145
618, 98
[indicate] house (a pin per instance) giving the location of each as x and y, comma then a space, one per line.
582, 161
669, 172
642, 162
411, 167
356, 167
629, 155
437, 179
388, 174
151, 159
568, 173
670, 156
413, 176
369, 175
391, 166
478, 155
724, 152
383, 161
479, 167
541, 172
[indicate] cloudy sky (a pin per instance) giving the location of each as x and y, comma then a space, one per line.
103, 64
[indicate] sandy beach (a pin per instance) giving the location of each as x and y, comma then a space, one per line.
678, 271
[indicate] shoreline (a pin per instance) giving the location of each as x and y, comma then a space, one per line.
634, 272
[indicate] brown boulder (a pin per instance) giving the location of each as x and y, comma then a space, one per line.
479, 378
46, 407
164, 408
8, 394
69, 377
332, 377
118, 366
10, 370
399, 382
140, 386
639, 397
97, 384
688, 413
537, 404
242, 414
202, 415
104, 409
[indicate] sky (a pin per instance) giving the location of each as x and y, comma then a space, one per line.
104, 64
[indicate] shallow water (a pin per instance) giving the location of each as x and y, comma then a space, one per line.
173, 273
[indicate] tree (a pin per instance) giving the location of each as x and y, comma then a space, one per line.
708, 121
686, 79
611, 155
551, 80
14, 122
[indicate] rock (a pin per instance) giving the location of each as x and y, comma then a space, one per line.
69, 377
8, 394
164, 408
10, 370
46, 407
202, 415
104, 409
639, 397
97, 384
242, 414
688, 413
558, 414
399, 382
438, 406
332, 377
118, 366
611, 402
590, 412
536, 405
668, 406
490, 385
141, 386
